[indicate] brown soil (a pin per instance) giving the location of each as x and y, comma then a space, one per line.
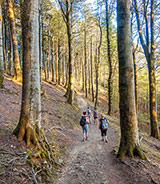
89, 162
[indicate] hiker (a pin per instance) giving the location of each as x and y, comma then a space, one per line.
89, 114
103, 127
84, 124
95, 114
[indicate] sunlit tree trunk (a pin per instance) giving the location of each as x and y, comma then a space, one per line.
17, 68
149, 51
129, 143
1, 50
30, 118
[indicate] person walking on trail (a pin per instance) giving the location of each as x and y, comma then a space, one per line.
84, 124
103, 127
95, 114
89, 114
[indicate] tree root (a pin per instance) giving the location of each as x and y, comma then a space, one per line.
131, 152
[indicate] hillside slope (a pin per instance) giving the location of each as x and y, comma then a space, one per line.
91, 162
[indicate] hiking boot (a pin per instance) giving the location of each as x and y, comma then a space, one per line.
102, 139
106, 140
83, 139
86, 138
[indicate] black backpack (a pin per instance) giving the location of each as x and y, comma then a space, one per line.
83, 121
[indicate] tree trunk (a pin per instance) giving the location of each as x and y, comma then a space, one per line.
98, 64
3, 12
85, 64
70, 84
40, 46
48, 54
92, 87
17, 68
110, 80
59, 61
149, 51
63, 68
1, 50
53, 64
30, 118
10, 61
129, 143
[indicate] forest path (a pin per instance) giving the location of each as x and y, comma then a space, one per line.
92, 161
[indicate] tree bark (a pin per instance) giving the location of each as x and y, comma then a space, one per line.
129, 143
1, 50
17, 68
29, 125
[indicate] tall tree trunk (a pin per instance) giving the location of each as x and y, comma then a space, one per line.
110, 78
52, 55
63, 68
30, 118
1, 50
48, 54
129, 143
98, 64
17, 68
3, 12
89, 77
40, 45
69, 34
70, 84
56, 59
92, 87
10, 61
59, 61
67, 70
43, 51
149, 51
85, 63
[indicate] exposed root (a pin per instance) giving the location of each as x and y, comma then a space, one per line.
131, 152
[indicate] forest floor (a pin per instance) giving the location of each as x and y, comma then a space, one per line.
89, 162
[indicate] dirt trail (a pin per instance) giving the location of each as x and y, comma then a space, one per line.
92, 161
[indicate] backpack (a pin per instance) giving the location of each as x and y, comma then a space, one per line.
104, 124
88, 112
95, 113
83, 121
